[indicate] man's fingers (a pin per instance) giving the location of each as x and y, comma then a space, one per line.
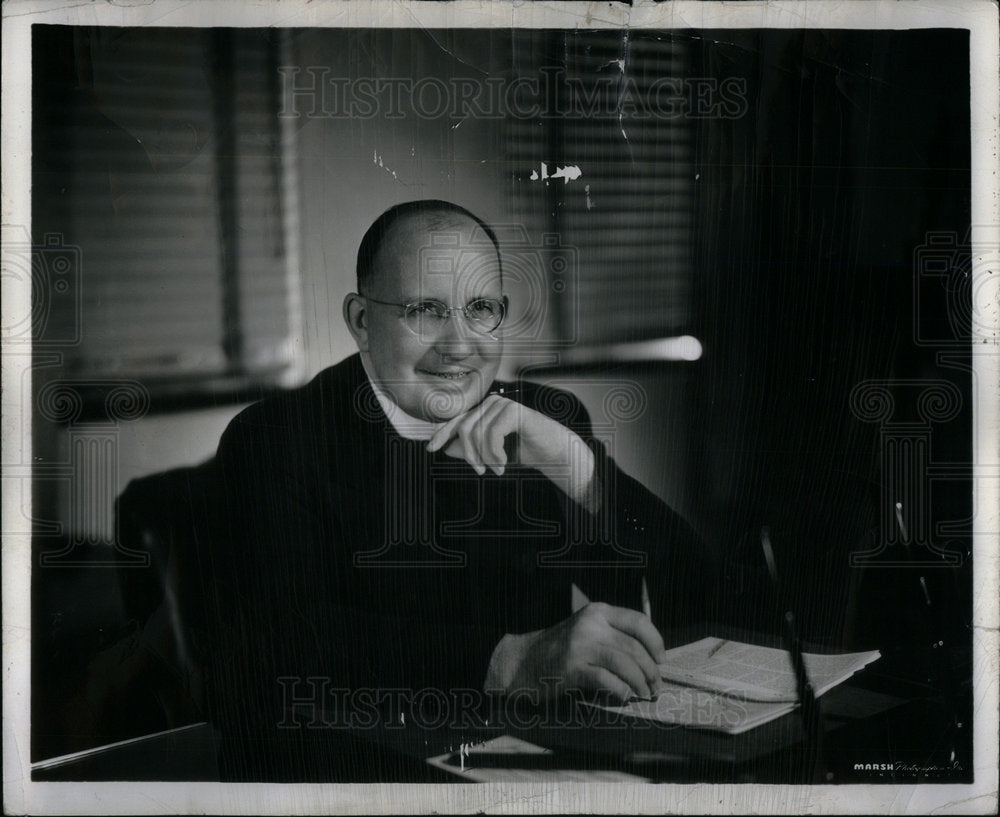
455, 449
472, 431
497, 424
477, 436
494, 445
637, 625
637, 652
466, 433
444, 434
450, 428
606, 681
479, 429
620, 663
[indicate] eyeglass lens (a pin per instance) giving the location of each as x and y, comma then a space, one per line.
428, 317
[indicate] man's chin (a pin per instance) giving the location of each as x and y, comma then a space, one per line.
448, 398
441, 406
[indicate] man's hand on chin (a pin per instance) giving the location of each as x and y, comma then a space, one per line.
599, 649
478, 435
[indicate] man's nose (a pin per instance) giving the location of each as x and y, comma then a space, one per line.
456, 339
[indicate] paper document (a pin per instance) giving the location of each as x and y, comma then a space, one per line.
698, 708
732, 687
756, 673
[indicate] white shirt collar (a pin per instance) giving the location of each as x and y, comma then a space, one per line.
411, 428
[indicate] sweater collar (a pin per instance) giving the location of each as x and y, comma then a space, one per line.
407, 426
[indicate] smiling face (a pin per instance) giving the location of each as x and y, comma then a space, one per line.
445, 373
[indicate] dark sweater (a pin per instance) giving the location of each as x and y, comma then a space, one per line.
356, 557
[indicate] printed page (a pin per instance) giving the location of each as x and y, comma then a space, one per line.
754, 672
701, 709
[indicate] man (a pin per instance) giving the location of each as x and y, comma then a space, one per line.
405, 522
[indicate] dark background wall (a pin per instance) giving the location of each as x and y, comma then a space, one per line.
812, 211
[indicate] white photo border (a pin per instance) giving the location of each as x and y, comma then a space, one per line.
22, 795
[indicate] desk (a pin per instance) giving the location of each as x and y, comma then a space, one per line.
583, 740
187, 753
893, 738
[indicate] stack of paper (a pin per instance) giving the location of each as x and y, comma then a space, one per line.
731, 687
756, 673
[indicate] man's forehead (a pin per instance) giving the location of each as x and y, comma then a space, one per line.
425, 252
423, 231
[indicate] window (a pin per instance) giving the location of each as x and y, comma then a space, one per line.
610, 174
161, 168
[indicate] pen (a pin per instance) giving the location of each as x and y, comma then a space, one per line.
793, 646
647, 611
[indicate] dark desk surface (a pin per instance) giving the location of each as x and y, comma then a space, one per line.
593, 739
878, 727
858, 724
187, 753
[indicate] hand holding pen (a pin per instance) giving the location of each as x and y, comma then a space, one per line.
647, 611
599, 649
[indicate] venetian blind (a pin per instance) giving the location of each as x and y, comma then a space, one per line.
158, 158
618, 106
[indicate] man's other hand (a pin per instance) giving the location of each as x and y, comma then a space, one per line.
600, 648
478, 435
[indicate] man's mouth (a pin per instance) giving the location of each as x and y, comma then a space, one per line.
447, 375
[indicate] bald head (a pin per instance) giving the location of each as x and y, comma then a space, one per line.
406, 227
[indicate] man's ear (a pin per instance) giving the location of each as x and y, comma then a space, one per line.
356, 318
